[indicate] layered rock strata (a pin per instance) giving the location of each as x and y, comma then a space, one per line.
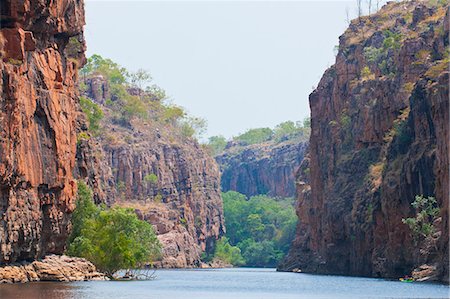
51, 268
169, 179
379, 137
266, 168
41, 48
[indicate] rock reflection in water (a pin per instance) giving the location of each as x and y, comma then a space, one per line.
40, 290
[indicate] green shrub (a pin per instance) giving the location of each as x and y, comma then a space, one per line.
151, 178
93, 112
254, 136
217, 144
227, 253
113, 239
382, 57
261, 224
74, 47
426, 213
193, 126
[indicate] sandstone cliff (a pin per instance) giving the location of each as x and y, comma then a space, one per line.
263, 168
379, 138
41, 47
148, 164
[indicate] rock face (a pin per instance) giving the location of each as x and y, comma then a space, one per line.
379, 138
169, 180
266, 168
41, 46
51, 268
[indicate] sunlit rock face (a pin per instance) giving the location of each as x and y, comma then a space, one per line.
182, 202
41, 48
379, 138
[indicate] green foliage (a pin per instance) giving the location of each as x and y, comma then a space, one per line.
426, 213
151, 178
253, 136
173, 113
114, 73
133, 106
128, 103
289, 129
139, 78
93, 112
217, 144
262, 227
366, 73
193, 126
306, 123
82, 136
112, 239
74, 47
382, 57
227, 253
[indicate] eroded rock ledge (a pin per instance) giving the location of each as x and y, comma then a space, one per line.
51, 268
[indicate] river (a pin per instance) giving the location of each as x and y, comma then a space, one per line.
239, 283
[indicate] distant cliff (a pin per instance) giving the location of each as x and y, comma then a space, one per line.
146, 163
379, 138
41, 47
263, 168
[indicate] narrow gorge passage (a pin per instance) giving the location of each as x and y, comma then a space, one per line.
182, 153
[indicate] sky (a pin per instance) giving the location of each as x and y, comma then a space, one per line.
237, 64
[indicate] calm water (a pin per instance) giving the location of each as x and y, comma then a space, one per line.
228, 283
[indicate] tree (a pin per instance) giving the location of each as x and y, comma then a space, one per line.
227, 253
217, 144
93, 113
427, 212
112, 239
261, 227
253, 136
193, 126
139, 78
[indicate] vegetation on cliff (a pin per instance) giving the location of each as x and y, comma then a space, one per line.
129, 95
145, 156
259, 228
380, 137
111, 238
288, 130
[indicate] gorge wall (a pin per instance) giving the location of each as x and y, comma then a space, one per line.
41, 47
264, 168
148, 165
379, 138
45, 147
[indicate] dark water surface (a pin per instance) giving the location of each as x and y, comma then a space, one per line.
238, 283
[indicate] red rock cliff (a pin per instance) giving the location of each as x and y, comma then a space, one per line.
379, 137
41, 46
169, 180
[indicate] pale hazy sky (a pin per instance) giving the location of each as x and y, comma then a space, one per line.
237, 64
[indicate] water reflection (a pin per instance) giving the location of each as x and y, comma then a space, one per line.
241, 283
40, 290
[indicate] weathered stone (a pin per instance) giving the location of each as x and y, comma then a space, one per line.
376, 143
51, 268
38, 109
183, 205
266, 168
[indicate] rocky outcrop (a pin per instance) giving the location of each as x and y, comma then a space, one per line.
379, 138
265, 168
169, 180
51, 268
41, 47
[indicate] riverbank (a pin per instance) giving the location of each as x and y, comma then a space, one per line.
51, 268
